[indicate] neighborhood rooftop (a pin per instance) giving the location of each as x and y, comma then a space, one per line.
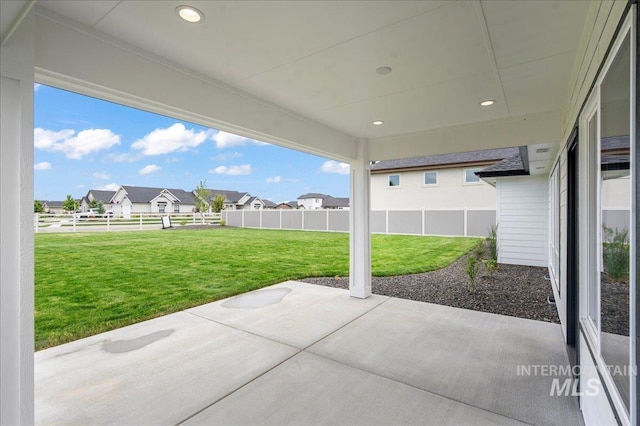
471, 157
141, 194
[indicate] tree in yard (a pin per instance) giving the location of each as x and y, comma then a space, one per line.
202, 195
97, 205
38, 207
218, 203
69, 204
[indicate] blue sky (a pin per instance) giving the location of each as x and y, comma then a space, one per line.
83, 143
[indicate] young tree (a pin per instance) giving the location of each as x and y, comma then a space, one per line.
97, 205
38, 207
218, 203
69, 204
202, 197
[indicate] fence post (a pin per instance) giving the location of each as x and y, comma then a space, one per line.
303, 219
327, 210
140, 221
422, 220
280, 218
386, 221
261, 218
242, 214
464, 220
108, 223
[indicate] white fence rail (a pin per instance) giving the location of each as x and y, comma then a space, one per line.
137, 221
461, 222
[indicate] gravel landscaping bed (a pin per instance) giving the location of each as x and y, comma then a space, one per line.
519, 291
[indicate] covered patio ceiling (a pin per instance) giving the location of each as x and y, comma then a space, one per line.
303, 74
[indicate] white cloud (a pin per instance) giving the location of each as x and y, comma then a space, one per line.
227, 156
175, 138
104, 176
244, 169
43, 165
125, 157
275, 179
110, 187
75, 147
227, 140
335, 167
151, 168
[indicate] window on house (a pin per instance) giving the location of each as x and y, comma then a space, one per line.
614, 210
470, 176
176, 208
394, 180
162, 207
430, 178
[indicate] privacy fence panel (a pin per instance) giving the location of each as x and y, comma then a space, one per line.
479, 222
338, 220
291, 219
315, 220
405, 222
444, 222
271, 219
473, 223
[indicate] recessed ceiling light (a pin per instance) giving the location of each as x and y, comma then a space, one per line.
189, 14
383, 70
542, 150
487, 103
378, 123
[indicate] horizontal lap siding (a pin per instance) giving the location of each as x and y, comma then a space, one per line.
522, 218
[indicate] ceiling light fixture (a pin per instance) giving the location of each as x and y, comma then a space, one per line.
190, 14
383, 70
487, 103
378, 123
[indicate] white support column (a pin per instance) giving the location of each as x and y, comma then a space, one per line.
17, 56
360, 237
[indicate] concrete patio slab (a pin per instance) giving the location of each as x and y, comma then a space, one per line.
156, 372
468, 356
297, 353
311, 390
294, 313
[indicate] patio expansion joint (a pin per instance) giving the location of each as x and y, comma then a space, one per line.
419, 388
206, 407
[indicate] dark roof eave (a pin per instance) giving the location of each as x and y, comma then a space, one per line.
502, 173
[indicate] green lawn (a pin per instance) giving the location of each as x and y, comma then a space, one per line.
90, 283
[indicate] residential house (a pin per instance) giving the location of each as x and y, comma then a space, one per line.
421, 79
436, 182
289, 205
105, 197
129, 200
316, 201
234, 200
53, 207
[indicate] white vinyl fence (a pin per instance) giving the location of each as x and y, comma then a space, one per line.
463, 222
137, 221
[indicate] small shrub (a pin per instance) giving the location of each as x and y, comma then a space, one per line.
490, 266
492, 239
183, 223
478, 250
222, 223
472, 270
616, 253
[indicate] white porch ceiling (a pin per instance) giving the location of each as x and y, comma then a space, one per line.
318, 59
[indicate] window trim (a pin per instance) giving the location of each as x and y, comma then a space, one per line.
464, 176
429, 185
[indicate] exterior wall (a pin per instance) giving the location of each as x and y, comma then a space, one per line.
602, 21
450, 192
310, 203
522, 218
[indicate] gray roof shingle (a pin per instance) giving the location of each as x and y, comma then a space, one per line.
446, 159
141, 194
100, 195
